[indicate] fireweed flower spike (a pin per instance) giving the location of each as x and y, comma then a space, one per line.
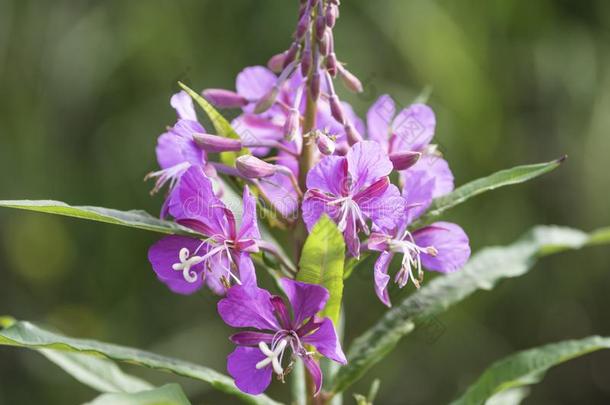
176, 149
352, 189
222, 256
441, 246
411, 130
262, 352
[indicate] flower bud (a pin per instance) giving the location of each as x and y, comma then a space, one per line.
320, 26
215, 143
276, 62
306, 60
326, 146
314, 85
352, 134
291, 127
331, 15
331, 64
302, 26
323, 43
404, 160
291, 54
350, 81
254, 168
267, 101
222, 98
336, 109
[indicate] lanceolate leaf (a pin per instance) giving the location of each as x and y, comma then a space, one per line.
98, 373
507, 177
482, 272
170, 394
221, 125
24, 334
133, 219
527, 367
322, 263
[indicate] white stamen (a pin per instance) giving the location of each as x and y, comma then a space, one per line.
186, 263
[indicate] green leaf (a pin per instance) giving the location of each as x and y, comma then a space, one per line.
100, 374
513, 396
133, 219
527, 367
322, 263
507, 177
170, 394
482, 272
221, 125
25, 334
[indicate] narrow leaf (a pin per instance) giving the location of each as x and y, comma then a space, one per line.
482, 272
170, 394
133, 219
322, 263
221, 125
25, 334
100, 374
527, 367
507, 177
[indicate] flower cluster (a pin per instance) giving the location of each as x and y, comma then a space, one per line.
306, 154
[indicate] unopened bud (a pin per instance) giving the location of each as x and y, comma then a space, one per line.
323, 43
302, 26
404, 160
314, 85
276, 62
326, 146
331, 64
320, 26
254, 168
336, 109
267, 101
352, 134
216, 144
291, 54
291, 127
222, 98
306, 61
350, 81
331, 15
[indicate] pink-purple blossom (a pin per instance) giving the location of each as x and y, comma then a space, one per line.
278, 334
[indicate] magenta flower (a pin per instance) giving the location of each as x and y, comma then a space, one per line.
411, 130
261, 352
176, 150
352, 189
441, 246
184, 264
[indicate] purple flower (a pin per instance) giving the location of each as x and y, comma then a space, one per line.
352, 189
176, 150
441, 246
411, 130
222, 257
261, 352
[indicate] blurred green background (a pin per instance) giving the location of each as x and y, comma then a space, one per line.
85, 90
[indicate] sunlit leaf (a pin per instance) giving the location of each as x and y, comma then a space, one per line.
527, 367
322, 261
25, 334
170, 394
482, 272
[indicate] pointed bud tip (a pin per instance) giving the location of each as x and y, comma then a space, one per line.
254, 168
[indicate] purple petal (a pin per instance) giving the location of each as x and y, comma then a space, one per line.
313, 368
379, 119
247, 273
438, 168
367, 163
279, 191
350, 235
315, 203
217, 269
413, 128
306, 299
330, 175
326, 341
418, 189
385, 208
254, 82
165, 253
183, 104
382, 278
248, 307
251, 338
254, 129
241, 365
249, 226
449, 240
177, 146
